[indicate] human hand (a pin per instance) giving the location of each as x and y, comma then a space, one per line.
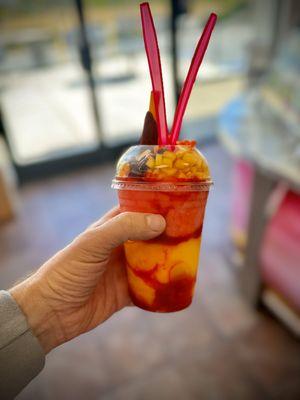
85, 283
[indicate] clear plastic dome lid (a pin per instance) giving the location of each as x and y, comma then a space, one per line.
153, 163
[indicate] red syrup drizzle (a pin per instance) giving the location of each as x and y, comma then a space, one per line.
174, 295
173, 241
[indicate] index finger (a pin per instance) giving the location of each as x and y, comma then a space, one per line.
106, 217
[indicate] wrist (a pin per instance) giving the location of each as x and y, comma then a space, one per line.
40, 318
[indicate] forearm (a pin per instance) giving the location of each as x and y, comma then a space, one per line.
42, 320
21, 355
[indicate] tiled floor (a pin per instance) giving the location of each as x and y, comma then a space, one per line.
217, 349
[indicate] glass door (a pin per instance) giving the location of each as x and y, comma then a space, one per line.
74, 79
45, 94
120, 64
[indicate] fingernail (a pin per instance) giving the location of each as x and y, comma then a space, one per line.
155, 222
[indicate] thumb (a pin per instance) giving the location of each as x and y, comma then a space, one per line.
125, 226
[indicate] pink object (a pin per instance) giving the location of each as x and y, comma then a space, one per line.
280, 253
191, 77
152, 50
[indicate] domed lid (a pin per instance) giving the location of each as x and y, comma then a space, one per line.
153, 163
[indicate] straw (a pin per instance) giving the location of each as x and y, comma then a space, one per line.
191, 77
152, 50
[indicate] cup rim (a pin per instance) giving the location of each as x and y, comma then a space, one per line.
203, 186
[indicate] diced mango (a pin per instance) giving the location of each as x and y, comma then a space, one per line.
190, 158
170, 171
205, 169
167, 161
180, 153
141, 290
201, 175
158, 159
180, 164
169, 154
200, 163
124, 170
150, 162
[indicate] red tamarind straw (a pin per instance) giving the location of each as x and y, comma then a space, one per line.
191, 77
152, 50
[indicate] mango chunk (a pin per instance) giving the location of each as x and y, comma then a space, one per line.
170, 155
201, 175
124, 170
170, 171
190, 158
158, 159
180, 164
200, 163
150, 162
179, 154
167, 161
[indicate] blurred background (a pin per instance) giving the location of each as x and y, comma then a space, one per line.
74, 89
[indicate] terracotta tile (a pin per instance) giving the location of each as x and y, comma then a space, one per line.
271, 355
161, 383
218, 376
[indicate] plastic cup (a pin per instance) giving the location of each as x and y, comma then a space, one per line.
162, 272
